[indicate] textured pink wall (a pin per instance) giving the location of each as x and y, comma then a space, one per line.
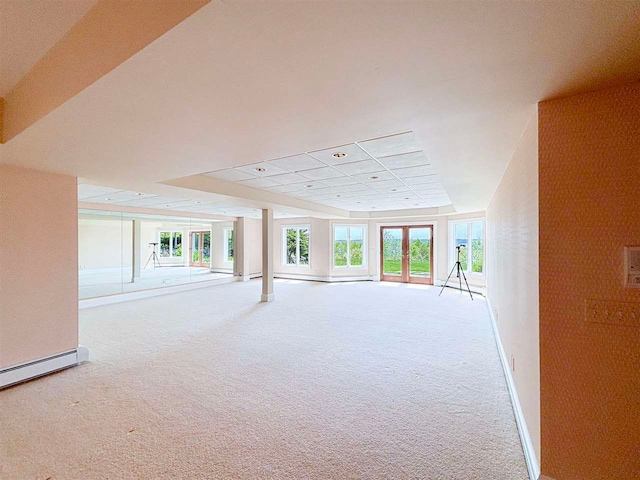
589, 175
38, 265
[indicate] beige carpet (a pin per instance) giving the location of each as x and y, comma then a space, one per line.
337, 381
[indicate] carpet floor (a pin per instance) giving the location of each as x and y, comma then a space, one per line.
330, 381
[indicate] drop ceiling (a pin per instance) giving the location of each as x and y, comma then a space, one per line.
386, 173
127, 198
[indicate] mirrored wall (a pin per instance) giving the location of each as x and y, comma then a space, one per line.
120, 252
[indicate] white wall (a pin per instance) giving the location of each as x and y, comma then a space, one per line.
512, 272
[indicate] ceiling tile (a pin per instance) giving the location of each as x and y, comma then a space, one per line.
367, 166
321, 173
288, 178
258, 183
297, 163
391, 145
339, 181
230, 175
385, 184
413, 171
87, 191
405, 160
381, 176
114, 197
354, 154
269, 169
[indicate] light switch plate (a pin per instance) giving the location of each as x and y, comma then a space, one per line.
612, 312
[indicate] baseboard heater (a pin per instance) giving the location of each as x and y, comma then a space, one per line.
38, 368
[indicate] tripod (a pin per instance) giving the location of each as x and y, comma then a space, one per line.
459, 270
153, 257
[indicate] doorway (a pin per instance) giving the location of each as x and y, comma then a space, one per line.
406, 254
200, 245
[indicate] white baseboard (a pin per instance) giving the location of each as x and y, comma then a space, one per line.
128, 296
533, 466
324, 278
38, 368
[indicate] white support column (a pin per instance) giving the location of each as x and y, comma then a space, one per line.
240, 250
212, 238
136, 264
267, 255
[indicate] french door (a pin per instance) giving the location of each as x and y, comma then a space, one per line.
200, 249
406, 254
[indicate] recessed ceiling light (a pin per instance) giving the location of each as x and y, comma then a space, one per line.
308, 186
109, 199
338, 195
197, 201
260, 169
407, 198
166, 205
358, 202
394, 189
339, 155
140, 194
374, 177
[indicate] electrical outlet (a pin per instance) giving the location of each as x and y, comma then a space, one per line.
612, 312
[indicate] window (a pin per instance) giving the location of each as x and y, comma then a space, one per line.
170, 244
228, 244
295, 246
469, 237
349, 246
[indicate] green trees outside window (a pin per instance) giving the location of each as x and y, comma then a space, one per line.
348, 246
296, 246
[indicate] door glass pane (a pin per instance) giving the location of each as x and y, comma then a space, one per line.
356, 242
476, 247
195, 248
206, 247
177, 244
291, 246
340, 247
392, 251
461, 239
420, 252
304, 246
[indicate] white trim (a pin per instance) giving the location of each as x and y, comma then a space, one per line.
297, 227
155, 292
43, 366
533, 466
365, 246
325, 278
267, 297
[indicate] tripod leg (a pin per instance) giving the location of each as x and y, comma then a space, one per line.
447, 281
150, 257
467, 283
460, 278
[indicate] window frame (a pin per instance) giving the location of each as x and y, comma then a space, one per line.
225, 242
171, 237
348, 226
284, 246
452, 247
